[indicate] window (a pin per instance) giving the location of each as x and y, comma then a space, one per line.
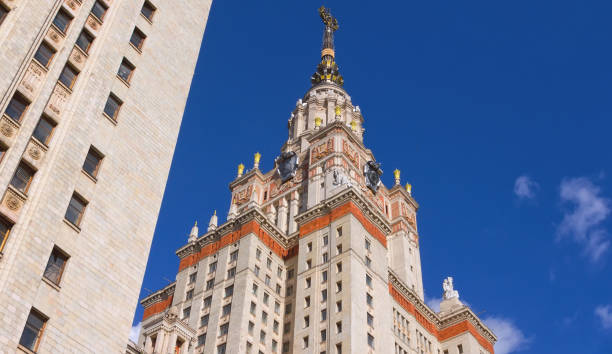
258, 254
287, 327
323, 335
369, 299
368, 280
5, 229
266, 298
277, 307
44, 54
210, 284
262, 337
269, 263
370, 341
309, 264
368, 262
305, 342
279, 272
278, 289
324, 276
287, 309
338, 249
307, 301
221, 348
339, 306
339, 327
189, 295
324, 295
192, 278
306, 321
251, 327
3, 13
339, 231
148, 10
339, 348
207, 302
227, 309
285, 347
201, 339
17, 107
267, 280
370, 320
367, 244
92, 162
253, 308
212, 267
33, 330
234, 256
256, 270
309, 247
112, 106
264, 317
99, 10
229, 291
55, 266
325, 240
255, 288
275, 326
338, 286
325, 257
137, 39
308, 282
323, 314
223, 329
68, 76
274, 346
186, 312
231, 273
84, 41
126, 69
460, 348
204, 321
290, 273
23, 178
289, 291
339, 267
62, 20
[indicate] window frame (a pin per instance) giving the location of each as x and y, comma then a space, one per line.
79, 198
70, 18
118, 102
89, 36
18, 97
96, 153
102, 5
126, 63
74, 71
142, 36
28, 184
40, 331
61, 270
151, 7
51, 50
52, 123
5, 234
4, 14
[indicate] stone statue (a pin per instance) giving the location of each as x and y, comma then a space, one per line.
328, 19
340, 179
449, 291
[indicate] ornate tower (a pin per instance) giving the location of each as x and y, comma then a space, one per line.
316, 256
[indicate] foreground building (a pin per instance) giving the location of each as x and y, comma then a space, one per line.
92, 94
316, 256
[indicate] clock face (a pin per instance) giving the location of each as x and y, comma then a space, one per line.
287, 164
372, 173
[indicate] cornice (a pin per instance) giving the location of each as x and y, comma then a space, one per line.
159, 295
399, 189
412, 296
246, 177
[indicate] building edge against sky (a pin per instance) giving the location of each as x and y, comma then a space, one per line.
92, 94
316, 255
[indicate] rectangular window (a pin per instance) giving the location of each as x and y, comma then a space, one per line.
23, 178
368, 280
264, 317
5, 229
33, 330
234, 256
75, 210
289, 291
323, 314
325, 240
55, 266
308, 282
262, 337
3, 13
339, 306
227, 309
186, 312
338, 286
307, 301
223, 329
258, 254
204, 321
256, 270
212, 267
287, 309
201, 340
221, 348
253, 309
192, 278
325, 257
126, 69
278, 289
62, 20
266, 298
207, 302
367, 245
370, 341
370, 320
84, 41
112, 106
306, 321
324, 276
92, 162
229, 291
460, 348
267, 280
210, 284
323, 335
137, 38
305, 342
148, 10
368, 262
339, 230
277, 307
44, 54
99, 10
290, 273
275, 326
279, 272
251, 327
339, 267
287, 327
324, 295
339, 348
309, 247
17, 107
189, 295
255, 288
339, 249
339, 327
44, 130
369, 299
269, 263
231, 273
68, 76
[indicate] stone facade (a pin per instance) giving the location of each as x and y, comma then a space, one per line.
88, 309
321, 260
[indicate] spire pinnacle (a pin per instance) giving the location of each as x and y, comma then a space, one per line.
327, 70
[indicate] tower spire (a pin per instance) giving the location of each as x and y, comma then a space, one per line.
327, 70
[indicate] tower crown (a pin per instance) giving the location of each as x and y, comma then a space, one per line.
327, 70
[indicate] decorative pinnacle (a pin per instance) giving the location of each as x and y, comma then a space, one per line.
318, 122
396, 174
240, 170
338, 111
327, 70
256, 159
409, 188
354, 125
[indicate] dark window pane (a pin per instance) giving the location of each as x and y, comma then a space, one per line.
5, 229
43, 130
3, 13
55, 266
84, 41
32, 331
75, 210
125, 70
16, 107
137, 38
99, 10
147, 10
112, 106
68, 76
92, 162
62, 20
44, 54
22, 178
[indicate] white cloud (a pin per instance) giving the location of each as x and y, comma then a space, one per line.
605, 315
135, 332
582, 222
434, 303
510, 339
525, 187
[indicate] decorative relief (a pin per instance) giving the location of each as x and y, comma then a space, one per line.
93, 23
34, 152
12, 200
58, 99
33, 77
277, 187
72, 4
6, 129
243, 196
352, 155
322, 150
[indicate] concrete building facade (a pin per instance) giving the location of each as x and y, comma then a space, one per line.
92, 94
316, 255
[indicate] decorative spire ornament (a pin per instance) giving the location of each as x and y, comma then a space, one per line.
193, 235
212, 224
396, 174
240, 170
409, 188
256, 159
318, 122
327, 70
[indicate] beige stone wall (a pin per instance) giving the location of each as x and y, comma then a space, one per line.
92, 309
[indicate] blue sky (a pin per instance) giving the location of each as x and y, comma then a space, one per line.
498, 113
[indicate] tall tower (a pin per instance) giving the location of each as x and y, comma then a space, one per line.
316, 255
92, 94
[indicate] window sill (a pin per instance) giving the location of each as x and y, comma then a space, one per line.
13, 121
139, 50
66, 87
42, 145
51, 284
112, 120
94, 179
82, 51
146, 18
126, 83
23, 349
72, 226
59, 31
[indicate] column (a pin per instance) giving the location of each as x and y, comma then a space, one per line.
148, 349
281, 222
293, 211
159, 342
171, 343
